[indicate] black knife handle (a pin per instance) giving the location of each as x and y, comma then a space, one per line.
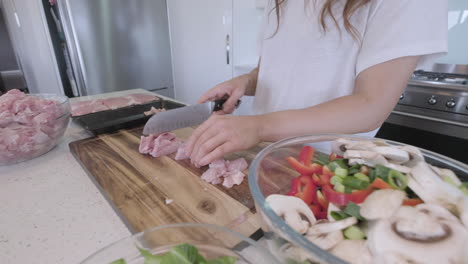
218, 104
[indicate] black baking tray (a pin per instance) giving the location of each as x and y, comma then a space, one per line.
123, 118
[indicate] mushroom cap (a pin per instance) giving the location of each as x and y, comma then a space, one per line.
382, 204
353, 251
326, 241
293, 210
420, 240
324, 227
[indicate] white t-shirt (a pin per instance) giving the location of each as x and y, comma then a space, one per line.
301, 66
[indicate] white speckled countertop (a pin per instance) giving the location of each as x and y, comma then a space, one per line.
51, 211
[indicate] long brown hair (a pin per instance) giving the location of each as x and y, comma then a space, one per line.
327, 10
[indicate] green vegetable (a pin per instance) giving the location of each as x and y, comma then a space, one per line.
338, 163
362, 177
354, 233
348, 189
341, 172
183, 254
353, 209
339, 215
397, 180
119, 261
355, 183
339, 187
322, 159
382, 172
372, 174
354, 169
335, 179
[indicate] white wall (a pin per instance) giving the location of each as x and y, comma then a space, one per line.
31, 41
458, 33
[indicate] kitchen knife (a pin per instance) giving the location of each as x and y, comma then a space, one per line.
183, 117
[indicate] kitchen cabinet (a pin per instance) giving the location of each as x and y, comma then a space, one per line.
212, 41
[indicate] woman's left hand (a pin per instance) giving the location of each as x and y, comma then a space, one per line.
220, 135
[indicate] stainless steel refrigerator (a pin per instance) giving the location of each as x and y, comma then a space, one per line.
113, 45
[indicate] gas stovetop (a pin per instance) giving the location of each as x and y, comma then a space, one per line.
437, 91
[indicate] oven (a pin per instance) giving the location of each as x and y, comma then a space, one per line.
433, 112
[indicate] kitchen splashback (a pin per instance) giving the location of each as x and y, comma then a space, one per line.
458, 33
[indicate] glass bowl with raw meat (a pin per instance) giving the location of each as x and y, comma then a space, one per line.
30, 124
350, 199
188, 243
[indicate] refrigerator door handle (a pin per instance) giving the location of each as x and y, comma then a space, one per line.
228, 49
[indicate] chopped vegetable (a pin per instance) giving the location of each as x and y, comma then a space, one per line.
412, 202
339, 187
339, 215
319, 212
322, 159
372, 174
302, 187
336, 179
303, 169
341, 172
339, 163
364, 170
362, 177
320, 180
119, 261
353, 209
355, 183
382, 172
342, 199
354, 169
397, 180
354, 233
380, 184
184, 253
305, 157
327, 172
321, 200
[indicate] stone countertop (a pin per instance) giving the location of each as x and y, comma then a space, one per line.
51, 211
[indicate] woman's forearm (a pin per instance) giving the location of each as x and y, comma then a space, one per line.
252, 82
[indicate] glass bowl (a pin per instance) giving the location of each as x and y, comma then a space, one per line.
29, 143
270, 173
212, 242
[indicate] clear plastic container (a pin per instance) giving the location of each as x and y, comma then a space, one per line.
269, 174
54, 130
212, 242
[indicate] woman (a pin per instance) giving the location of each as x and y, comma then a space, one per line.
326, 66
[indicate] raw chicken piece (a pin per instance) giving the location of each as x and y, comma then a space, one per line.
153, 111
141, 98
238, 164
87, 107
181, 155
117, 102
213, 175
159, 145
233, 178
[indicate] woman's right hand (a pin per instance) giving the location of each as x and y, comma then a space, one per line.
235, 88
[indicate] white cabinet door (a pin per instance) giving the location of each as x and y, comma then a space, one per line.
201, 43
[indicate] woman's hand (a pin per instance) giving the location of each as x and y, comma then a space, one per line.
235, 88
220, 135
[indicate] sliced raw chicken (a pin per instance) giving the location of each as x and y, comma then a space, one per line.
159, 145
141, 98
117, 102
181, 154
228, 172
153, 111
238, 164
233, 178
87, 107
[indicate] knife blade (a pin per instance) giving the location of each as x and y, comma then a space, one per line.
183, 117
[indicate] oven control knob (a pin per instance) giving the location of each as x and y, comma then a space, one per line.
432, 100
402, 96
451, 103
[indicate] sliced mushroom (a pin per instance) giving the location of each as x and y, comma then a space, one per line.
415, 234
326, 241
341, 145
415, 155
365, 157
447, 175
393, 258
400, 168
324, 227
353, 251
382, 204
427, 184
393, 154
462, 207
436, 211
294, 211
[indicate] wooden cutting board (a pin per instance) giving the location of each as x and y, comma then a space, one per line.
138, 185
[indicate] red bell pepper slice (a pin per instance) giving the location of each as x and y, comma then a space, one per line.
412, 202
305, 157
380, 184
303, 169
320, 180
318, 211
342, 199
303, 188
327, 172
334, 156
321, 200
